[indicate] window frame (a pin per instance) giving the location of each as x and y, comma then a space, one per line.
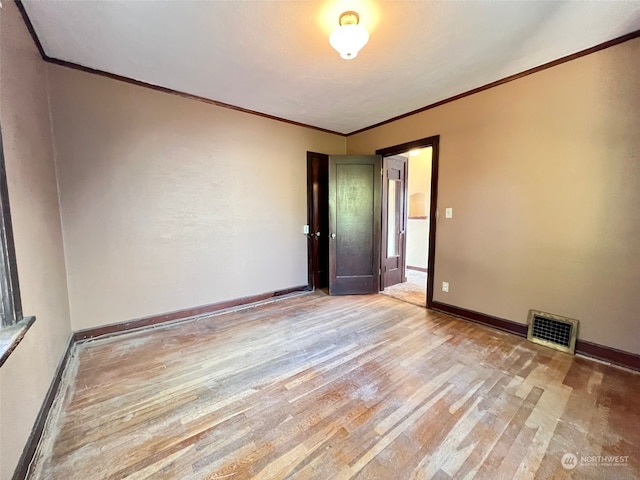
11, 304
13, 325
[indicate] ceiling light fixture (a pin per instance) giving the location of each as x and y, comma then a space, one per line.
349, 37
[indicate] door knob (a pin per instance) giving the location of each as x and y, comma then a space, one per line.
333, 235
317, 234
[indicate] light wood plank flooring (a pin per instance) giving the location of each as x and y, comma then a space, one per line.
318, 387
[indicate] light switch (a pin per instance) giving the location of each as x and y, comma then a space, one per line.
305, 229
448, 212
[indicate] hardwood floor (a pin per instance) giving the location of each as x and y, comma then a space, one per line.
318, 387
414, 290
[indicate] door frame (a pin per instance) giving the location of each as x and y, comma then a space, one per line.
434, 143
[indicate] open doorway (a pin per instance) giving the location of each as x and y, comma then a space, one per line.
418, 231
318, 220
409, 284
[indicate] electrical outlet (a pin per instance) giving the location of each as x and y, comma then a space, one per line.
448, 212
445, 286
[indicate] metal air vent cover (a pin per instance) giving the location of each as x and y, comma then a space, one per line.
552, 331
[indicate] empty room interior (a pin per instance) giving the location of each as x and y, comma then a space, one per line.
319, 240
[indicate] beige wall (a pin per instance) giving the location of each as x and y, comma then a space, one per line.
26, 131
543, 175
169, 203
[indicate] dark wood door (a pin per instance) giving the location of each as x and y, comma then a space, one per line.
318, 219
394, 220
354, 224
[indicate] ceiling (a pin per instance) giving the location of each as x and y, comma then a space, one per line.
274, 56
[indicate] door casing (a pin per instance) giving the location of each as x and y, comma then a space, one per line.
434, 143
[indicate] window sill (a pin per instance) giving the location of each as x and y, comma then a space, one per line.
11, 336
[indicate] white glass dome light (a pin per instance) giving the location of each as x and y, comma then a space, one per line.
349, 37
